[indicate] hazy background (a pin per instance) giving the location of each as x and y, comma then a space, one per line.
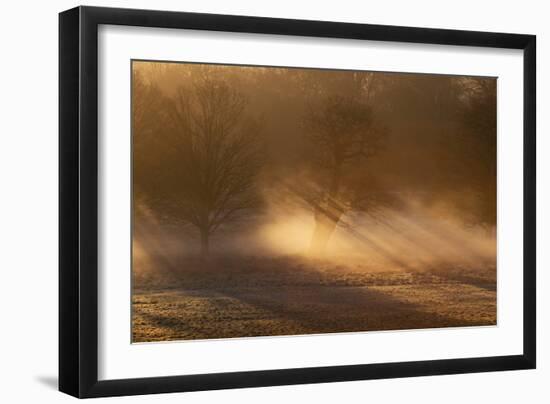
417, 186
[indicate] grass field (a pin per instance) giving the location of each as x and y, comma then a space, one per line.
242, 297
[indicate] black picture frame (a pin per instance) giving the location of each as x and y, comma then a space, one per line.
78, 201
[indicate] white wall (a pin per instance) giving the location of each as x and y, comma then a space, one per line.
28, 211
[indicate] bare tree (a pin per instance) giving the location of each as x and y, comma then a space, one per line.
149, 112
218, 157
147, 107
343, 132
477, 138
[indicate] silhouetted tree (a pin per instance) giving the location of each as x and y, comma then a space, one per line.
447, 124
218, 157
149, 113
477, 114
343, 132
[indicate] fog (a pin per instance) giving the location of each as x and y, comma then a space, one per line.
381, 170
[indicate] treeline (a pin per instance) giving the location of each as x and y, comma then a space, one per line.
209, 142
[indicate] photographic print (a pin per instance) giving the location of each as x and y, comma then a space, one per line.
272, 201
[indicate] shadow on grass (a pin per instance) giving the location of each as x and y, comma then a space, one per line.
293, 310
252, 296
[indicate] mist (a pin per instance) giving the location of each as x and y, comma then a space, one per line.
428, 188
250, 179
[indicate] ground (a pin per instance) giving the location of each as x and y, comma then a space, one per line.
243, 297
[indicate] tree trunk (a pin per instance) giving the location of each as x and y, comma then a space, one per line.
324, 227
327, 215
205, 243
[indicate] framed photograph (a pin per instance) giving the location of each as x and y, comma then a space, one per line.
251, 201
